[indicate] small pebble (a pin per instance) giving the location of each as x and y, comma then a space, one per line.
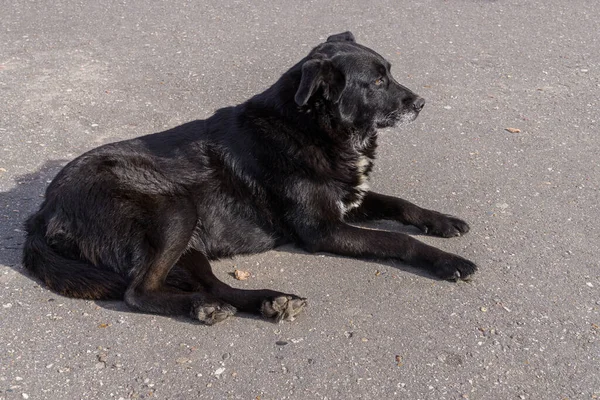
589, 284
219, 371
25, 395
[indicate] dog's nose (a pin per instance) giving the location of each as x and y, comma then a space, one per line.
418, 104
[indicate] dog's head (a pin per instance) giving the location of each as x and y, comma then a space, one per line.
357, 81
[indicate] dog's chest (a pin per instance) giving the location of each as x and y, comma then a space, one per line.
356, 191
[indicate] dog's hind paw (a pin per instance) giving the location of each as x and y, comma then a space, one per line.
212, 313
285, 307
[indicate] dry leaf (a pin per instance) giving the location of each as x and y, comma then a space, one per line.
513, 130
103, 325
241, 275
399, 360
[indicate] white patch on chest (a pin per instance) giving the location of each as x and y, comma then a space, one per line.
362, 164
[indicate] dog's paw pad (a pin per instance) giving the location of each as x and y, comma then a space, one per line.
283, 308
210, 314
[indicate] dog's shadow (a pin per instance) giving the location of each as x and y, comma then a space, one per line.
27, 193
17, 204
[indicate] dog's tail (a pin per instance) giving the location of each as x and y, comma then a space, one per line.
68, 277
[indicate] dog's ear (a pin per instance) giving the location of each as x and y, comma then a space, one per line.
320, 72
342, 37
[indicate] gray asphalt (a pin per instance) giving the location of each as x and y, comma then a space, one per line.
74, 75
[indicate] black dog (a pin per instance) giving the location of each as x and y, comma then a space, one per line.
140, 219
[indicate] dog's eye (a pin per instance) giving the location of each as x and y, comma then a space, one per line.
379, 81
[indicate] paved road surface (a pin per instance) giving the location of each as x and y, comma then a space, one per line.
74, 75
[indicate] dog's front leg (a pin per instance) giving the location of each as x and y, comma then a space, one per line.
379, 206
347, 240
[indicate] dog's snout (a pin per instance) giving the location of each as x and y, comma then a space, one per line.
418, 104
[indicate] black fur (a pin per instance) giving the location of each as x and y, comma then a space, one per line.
140, 219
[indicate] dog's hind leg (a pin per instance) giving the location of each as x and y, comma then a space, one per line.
271, 304
149, 292
152, 295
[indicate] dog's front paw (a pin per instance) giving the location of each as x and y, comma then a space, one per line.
442, 225
284, 307
454, 268
212, 313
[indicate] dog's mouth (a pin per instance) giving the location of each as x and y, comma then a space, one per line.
397, 118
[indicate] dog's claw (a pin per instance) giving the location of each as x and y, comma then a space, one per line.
283, 308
